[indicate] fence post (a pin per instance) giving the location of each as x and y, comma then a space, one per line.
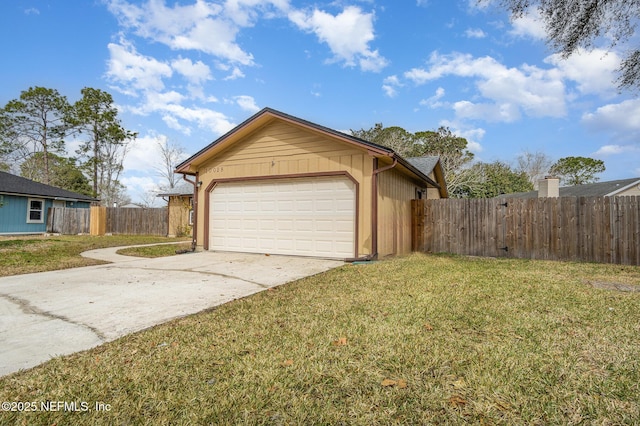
98, 223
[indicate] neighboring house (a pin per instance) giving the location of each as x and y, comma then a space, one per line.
613, 188
282, 185
24, 204
180, 209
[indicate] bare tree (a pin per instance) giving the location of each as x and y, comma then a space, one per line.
535, 165
171, 153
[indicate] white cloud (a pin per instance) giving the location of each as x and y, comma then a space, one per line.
434, 101
493, 112
473, 135
245, 12
194, 72
594, 71
390, 85
134, 71
607, 150
475, 33
202, 26
235, 74
247, 103
529, 26
143, 153
623, 119
214, 121
508, 92
347, 34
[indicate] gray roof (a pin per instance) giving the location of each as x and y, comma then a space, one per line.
598, 189
182, 189
424, 164
16, 185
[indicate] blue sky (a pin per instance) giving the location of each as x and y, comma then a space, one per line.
187, 71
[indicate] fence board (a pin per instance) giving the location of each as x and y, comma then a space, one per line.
100, 220
135, 221
593, 229
68, 221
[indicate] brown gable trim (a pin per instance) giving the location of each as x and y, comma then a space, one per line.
372, 148
214, 183
377, 149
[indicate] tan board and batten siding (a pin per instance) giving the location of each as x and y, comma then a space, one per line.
270, 150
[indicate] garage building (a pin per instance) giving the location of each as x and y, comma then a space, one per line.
278, 184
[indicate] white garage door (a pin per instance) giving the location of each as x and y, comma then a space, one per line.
301, 216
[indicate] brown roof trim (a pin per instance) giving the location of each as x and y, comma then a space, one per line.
373, 148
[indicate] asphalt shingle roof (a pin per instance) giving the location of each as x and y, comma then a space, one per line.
182, 189
12, 184
424, 164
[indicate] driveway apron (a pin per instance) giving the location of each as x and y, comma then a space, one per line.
56, 313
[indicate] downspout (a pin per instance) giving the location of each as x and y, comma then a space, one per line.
194, 230
374, 203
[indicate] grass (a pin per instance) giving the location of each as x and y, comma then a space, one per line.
155, 251
421, 339
23, 255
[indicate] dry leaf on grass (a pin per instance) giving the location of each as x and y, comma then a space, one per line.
287, 363
428, 326
401, 384
457, 400
340, 342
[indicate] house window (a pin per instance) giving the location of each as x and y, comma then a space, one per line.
35, 211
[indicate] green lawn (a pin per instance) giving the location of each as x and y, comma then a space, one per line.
39, 253
422, 339
162, 250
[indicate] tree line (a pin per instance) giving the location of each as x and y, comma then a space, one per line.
468, 179
36, 128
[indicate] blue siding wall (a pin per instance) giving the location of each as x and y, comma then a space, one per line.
13, 214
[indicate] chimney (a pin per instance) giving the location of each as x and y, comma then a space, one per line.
549, 187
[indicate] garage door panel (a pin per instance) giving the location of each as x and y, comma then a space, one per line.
303, 216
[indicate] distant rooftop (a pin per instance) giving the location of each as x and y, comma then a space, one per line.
17, 185
598, 189
181, 189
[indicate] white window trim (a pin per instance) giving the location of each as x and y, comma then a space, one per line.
29, 210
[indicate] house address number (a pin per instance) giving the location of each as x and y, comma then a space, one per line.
217, 169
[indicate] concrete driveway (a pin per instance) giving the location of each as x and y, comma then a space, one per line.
60, 312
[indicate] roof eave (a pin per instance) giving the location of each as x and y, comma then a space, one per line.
264, 117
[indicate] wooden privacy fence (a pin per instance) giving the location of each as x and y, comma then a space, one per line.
136, 221
68, 221
592, 229
100, 220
